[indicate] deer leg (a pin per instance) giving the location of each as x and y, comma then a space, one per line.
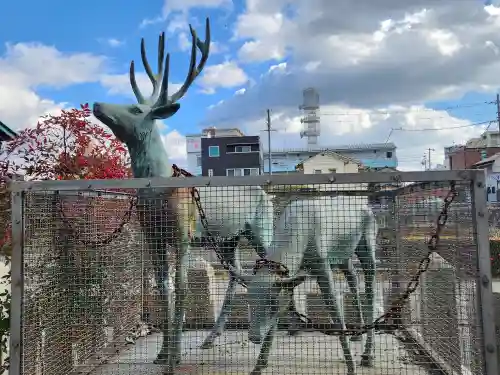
294, 323
352, 280
183, 209
163, 282
367, 259
326, 284
223, 315
265, 350
182, 260
254, 240
230, 254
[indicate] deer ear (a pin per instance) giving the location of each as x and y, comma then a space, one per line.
165, 111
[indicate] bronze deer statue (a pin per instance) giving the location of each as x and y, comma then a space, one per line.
163, 213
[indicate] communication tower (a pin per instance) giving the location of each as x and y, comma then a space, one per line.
310, 116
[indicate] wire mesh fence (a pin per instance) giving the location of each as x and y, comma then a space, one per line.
312, 266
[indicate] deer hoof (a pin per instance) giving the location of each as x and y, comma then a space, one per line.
160, 361
163, 360
367, 360
293, 331
256, 371
207, 345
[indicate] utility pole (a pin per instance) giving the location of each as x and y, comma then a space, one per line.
269, 130
429, 157
498, 111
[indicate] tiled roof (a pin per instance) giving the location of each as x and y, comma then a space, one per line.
488, 160
6, 133
344, 158
352, 147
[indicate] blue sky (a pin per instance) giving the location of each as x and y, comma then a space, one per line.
68, 53
90, 27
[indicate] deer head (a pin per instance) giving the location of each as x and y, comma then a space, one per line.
131, 124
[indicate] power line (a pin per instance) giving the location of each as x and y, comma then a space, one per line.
389, 112
446, 128
375, 112
498, 110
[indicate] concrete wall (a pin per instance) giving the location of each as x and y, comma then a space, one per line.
328, 164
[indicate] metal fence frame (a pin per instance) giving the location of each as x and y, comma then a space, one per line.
479, 208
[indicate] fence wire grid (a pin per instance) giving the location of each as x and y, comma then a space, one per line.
99, 270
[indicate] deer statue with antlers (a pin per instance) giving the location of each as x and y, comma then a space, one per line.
163, 213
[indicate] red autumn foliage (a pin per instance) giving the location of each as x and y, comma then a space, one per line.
65, 147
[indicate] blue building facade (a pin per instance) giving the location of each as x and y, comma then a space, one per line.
374, 156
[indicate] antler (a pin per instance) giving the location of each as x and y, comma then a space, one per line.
194, 72
159, 97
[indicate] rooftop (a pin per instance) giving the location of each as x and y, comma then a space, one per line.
341, 157
353, 147
6, 133
487, 161
217, 130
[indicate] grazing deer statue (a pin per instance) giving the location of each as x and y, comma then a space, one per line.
311, 238
163, 213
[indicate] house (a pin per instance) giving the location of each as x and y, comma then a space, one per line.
491, 165
473, 151
332, 162
6, 133
231, 156
329, 162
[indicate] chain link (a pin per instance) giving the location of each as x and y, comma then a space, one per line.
388, 322
391, 320
106, 240
210, 240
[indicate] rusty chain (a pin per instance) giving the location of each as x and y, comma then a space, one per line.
209, 238
388, 322
105, 241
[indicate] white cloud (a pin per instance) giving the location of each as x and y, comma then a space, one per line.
225, 75
119, 84
175, 144
184, 42
21, 107
216, 47
184, 6
112, 42
389, 54
26, 66
35, 64
185, 45
341, 125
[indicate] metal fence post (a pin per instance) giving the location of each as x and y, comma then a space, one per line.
16, 344
484, 285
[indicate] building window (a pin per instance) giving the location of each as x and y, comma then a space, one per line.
251, 171
235, 172
332, 170
317, 171
243, 149
198, 160
388, 154
210, 173
213, 151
